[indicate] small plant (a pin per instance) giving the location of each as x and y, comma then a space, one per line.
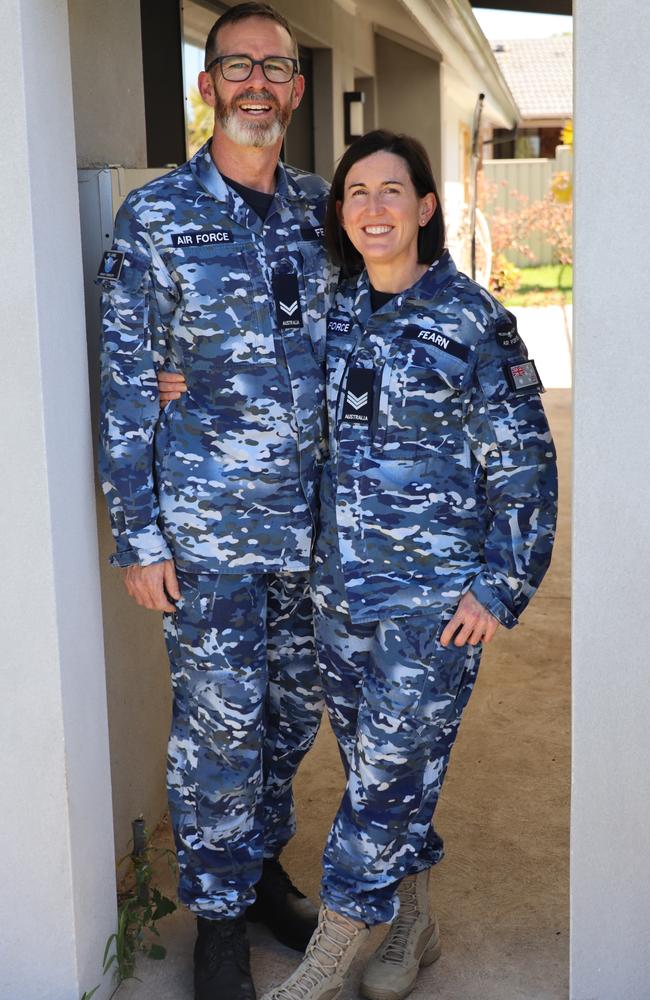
505, 277
140, 906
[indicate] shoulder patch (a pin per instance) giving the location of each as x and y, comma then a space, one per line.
506, 333
523, 377
110, 268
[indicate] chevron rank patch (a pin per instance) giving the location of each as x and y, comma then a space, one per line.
287, 300
358, 396
523, 377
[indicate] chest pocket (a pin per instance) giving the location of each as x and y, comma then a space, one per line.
225, 311
420, 402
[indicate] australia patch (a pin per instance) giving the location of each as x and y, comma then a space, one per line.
203, 238
111, 266
523, 377
358, 396
437, 339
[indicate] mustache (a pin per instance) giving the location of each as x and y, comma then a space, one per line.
257, 95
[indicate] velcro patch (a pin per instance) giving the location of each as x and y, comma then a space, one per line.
110, 268
338, 325
523, 377
205, 237
437, 339
506, 333
286, 293
312, 233
358, 396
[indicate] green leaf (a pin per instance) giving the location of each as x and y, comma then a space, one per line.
157, 951
163, 905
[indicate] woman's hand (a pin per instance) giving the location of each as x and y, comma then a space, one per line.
472, 621
170, 386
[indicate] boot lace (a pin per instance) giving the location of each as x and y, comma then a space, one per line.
325, 951
394, 947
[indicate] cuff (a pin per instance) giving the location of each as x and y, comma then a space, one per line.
487, 596
142, 548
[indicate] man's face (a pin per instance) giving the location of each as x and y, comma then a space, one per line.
253, 112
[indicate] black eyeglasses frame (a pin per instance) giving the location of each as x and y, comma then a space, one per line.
254, 62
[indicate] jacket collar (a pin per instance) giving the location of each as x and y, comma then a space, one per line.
204, 169
437, 275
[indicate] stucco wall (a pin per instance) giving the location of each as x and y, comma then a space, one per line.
106, 51
611, 576
408, 95
58, 884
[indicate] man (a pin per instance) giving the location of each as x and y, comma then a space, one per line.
217, 269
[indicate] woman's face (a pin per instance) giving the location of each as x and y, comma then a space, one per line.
381, 211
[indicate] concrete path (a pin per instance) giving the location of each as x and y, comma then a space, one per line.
548, 334
502, 891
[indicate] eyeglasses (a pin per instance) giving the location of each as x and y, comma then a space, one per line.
236, 69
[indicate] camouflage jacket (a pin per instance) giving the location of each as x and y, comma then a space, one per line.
441, 476
226, 478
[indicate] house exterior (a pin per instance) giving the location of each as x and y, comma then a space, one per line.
539, 72
76, 90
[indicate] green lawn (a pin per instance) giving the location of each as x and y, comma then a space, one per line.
539, 286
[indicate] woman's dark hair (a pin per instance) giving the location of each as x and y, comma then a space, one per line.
431, 238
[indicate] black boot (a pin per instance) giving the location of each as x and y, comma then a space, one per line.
222, 961
287, 913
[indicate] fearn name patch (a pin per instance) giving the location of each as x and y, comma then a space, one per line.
205, 237
437, 339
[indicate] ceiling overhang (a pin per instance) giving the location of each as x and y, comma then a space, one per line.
528, 6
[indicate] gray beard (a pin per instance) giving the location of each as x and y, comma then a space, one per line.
252, 133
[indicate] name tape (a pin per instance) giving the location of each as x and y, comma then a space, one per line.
204, 238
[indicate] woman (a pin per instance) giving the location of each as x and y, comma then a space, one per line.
438, 507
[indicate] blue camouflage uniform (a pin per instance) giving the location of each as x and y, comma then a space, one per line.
225, 483
441, 479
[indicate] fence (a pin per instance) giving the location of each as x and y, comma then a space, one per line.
531, 178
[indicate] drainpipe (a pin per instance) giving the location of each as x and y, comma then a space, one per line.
476, 161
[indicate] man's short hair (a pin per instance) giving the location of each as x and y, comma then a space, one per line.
241, 12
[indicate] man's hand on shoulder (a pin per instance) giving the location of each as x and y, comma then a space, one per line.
152, 586
472, 622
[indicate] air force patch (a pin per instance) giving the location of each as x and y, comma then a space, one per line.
204, 238
110, 268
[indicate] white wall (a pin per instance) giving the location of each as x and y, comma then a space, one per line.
57, 906
106, 46
611, 584
408, 95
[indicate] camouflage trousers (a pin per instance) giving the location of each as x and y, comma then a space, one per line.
395, 698
246, 708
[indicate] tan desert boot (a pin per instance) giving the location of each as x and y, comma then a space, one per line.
329, 955
412, 942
